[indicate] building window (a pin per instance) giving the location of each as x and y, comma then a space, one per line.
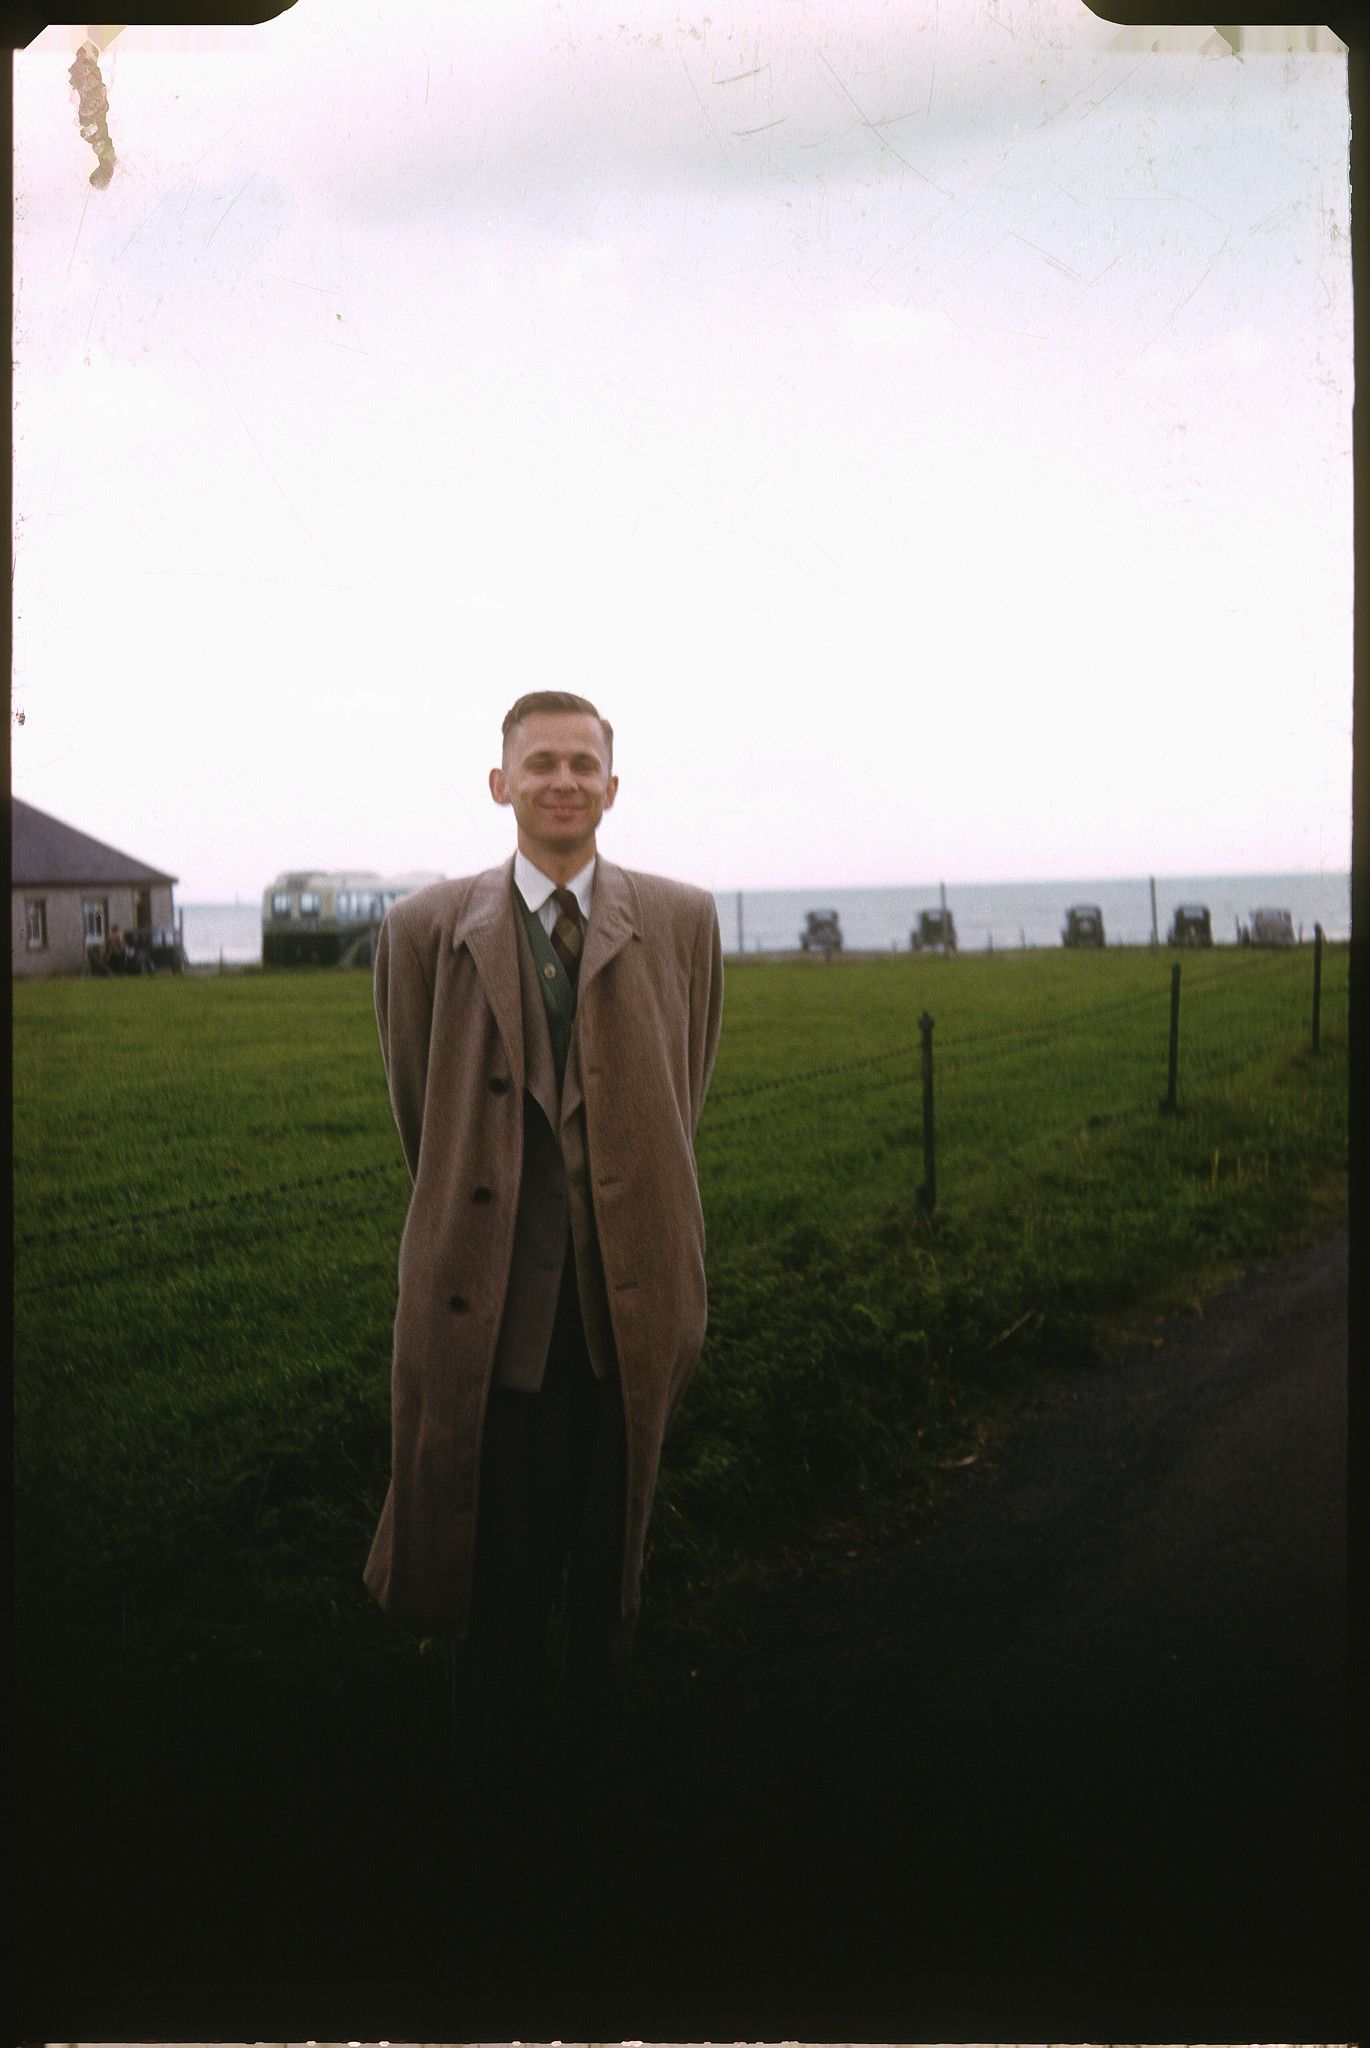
280, 903
36, 920
96, 914
309, 903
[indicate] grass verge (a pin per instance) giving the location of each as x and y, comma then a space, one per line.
208, 1202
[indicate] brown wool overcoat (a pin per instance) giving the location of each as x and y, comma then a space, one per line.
499, 1166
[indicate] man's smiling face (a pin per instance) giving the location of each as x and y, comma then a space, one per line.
556, 778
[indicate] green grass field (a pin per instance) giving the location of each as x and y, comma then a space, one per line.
209, 1198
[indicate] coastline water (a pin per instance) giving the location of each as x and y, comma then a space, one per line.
998, 916
1004, 915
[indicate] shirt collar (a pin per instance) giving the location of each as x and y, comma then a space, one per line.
535, 887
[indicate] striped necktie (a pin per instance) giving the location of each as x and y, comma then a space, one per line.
568, 933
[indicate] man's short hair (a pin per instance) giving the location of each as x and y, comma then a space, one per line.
553, 700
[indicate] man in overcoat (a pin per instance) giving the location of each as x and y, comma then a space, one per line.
548, 1029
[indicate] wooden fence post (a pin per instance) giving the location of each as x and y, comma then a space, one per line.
1169, 1105
927, 1194
1317, 988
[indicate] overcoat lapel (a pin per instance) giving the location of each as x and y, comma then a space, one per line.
486, 928
613, 922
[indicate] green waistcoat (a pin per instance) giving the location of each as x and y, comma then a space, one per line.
558, 991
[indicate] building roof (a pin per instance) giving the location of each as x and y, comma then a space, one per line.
45, 853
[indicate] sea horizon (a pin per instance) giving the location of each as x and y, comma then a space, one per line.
989, 916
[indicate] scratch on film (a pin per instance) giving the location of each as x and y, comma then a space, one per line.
94, 111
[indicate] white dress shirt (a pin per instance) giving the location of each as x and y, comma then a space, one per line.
537, 890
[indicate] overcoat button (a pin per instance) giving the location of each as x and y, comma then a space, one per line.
457, 1303
499, 1086
482, 1194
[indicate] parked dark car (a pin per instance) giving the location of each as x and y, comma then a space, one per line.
935, 931
1084, 926
1268, 928
1191, 926
822, 932
162, 945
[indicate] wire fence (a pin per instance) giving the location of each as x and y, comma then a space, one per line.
231, 1235
246, 1215
208, 1205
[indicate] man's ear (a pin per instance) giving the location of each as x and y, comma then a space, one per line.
610, 793
499, 787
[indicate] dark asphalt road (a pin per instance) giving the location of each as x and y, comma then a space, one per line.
1080, 1745
1067, 1762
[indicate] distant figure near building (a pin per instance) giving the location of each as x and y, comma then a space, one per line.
69, 893
548, 1029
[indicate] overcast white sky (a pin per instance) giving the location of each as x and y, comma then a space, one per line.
924, 429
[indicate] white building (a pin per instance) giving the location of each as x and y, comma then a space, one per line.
68, 892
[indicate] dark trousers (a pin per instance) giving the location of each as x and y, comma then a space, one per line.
552, 1479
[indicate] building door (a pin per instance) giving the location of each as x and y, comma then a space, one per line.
96, 913
142, 910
